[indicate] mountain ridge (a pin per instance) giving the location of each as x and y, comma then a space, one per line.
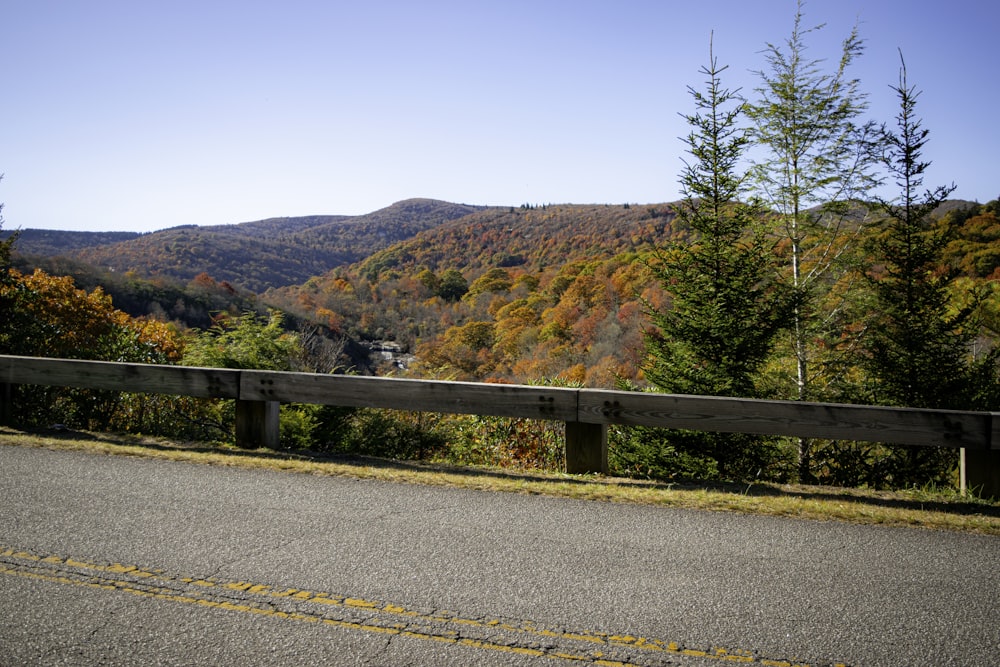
255, 255
281, 252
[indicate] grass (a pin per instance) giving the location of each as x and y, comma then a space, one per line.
919, 508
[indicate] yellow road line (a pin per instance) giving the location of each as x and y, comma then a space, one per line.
387, 618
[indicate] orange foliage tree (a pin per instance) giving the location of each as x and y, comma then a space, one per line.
49, 316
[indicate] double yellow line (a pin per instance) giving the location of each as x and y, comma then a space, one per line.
306, 606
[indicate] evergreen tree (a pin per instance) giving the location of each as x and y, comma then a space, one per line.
813, 165
918, 344
726, 301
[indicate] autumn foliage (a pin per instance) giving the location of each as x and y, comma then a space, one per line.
48, 316
505, 294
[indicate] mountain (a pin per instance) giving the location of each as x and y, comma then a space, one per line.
254, 255
502, 294
51, 242
528, 239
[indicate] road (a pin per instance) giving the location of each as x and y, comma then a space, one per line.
124, 561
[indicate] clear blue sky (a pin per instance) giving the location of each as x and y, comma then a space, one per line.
134, 115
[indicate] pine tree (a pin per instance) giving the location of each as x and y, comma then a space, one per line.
726, 302
920, 347
918, 343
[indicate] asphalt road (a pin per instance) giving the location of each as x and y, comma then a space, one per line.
118, 561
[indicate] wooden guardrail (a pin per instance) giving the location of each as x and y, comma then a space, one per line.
586, 412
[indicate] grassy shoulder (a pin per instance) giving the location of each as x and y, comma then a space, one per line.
922, 508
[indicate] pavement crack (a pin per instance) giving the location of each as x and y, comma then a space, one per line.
378, 657
233, 564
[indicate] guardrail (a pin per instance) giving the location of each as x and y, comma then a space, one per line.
586, 412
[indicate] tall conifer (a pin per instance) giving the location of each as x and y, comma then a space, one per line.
916, 349
919, 346
726, 302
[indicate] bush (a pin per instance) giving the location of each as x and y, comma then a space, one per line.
879, 466
334, 427
648, 453
393, 434
664, 454
506, 442
297, 425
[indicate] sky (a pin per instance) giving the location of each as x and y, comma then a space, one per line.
138, 116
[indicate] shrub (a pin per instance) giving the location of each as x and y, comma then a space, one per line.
506, 442
665, 454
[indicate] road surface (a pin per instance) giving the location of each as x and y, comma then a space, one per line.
122, 561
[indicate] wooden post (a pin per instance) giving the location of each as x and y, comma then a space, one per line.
981, 467
6, 404
257, 424
586, 448
982, 472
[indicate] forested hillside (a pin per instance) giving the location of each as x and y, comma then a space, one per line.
528, 239
50, 242
254, 255
515, 294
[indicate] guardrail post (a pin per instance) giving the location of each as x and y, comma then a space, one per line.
982, 472
257, 424
586, 448
981, 467
6, 403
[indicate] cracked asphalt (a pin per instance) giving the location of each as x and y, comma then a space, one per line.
117, 561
